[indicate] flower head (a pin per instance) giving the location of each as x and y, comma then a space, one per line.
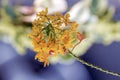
52, 35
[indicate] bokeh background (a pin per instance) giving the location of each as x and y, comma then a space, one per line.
98, 19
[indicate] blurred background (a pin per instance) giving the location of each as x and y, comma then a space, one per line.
98, 19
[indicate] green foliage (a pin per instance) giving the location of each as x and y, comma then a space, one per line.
12, 30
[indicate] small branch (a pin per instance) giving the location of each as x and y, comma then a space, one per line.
93, 66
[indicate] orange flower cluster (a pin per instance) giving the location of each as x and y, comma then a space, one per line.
52, 35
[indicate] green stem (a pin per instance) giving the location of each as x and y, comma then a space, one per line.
94, 66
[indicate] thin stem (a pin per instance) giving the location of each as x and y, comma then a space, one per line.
94, 66
76, 45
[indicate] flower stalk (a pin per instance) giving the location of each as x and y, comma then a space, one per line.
56, 34
94, 66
